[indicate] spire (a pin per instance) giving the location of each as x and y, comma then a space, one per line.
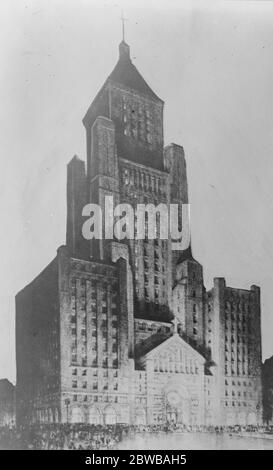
124, 49
123, 27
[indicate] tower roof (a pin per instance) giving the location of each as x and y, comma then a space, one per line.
126, 74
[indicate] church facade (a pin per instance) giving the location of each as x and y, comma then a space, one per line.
125, 331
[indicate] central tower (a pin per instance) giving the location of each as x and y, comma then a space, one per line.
126, 159
136, 111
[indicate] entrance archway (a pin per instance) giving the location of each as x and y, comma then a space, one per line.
242, 419
230, 419
110, 415
94, 416
76, 415
140, 417
251, 419
171, 416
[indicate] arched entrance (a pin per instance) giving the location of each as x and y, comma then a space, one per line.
242, 419
140, 418
110, 415
76, 415
177, 404
171, 416
230, 419
94, 416
252, 419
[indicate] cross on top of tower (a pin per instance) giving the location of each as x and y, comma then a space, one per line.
124, 49
123, 27
175, 323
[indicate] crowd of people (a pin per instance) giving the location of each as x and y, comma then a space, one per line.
62, 436
98, 437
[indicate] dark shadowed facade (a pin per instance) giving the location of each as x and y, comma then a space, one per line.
7, 403
267, 381
125, 331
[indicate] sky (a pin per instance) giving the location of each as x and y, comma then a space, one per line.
211, 63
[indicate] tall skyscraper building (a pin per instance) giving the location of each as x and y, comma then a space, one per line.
124, 331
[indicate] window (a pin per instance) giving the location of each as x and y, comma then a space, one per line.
105, 362
115, 363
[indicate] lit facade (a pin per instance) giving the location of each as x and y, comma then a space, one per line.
125, 331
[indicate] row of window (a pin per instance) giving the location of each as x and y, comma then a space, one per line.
239, 307
233, 403
239, 394
104, 323
176, 368
93, 283
147, 327
96, 398
240, 329
240, 371
145, 181
239, 339
94, 385
105, 363
239, 383
94, 373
